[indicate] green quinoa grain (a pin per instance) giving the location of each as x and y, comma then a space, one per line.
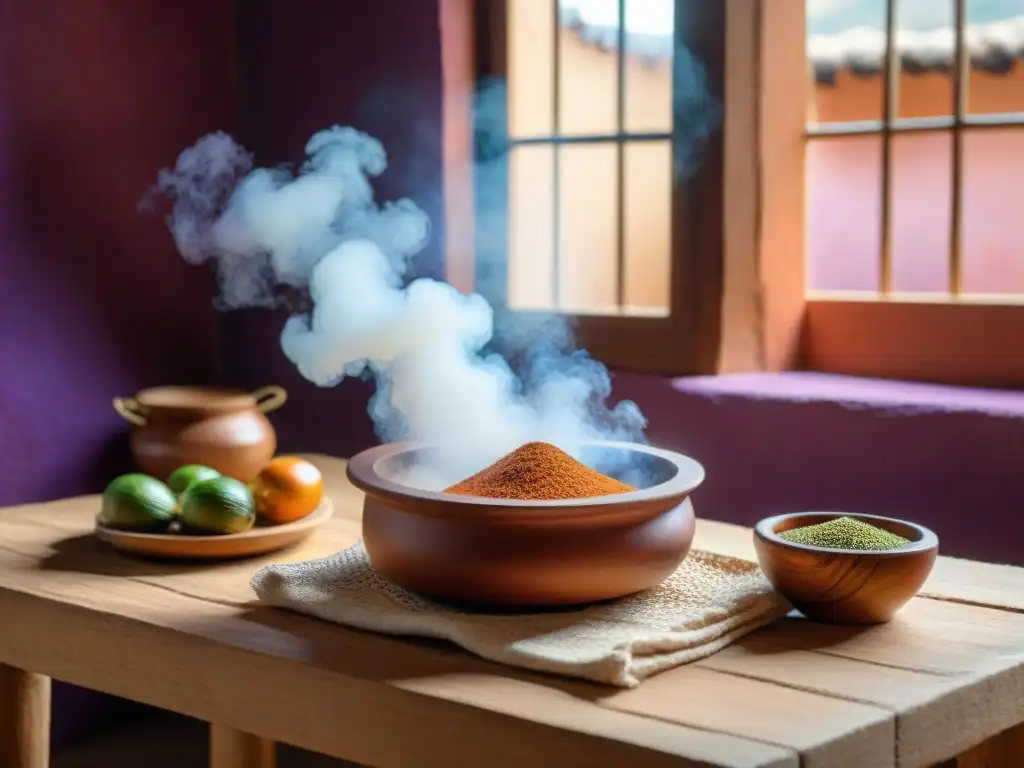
844, 533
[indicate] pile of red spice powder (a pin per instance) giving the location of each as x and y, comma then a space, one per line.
538, 471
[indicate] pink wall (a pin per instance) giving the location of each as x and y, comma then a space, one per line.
844, 190
844, 187
844, 175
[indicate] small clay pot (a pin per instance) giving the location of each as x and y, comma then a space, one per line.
223, 429
485, 552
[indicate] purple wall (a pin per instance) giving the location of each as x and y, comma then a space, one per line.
947, 458
95, 97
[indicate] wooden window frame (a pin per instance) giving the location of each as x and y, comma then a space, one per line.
738, 279
687, 341
969, 342
951, 339
741, 295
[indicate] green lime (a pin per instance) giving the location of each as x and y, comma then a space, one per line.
138, 502
218, 505
183, 477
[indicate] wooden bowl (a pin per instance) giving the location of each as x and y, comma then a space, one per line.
497, 552
257, 541
845, 586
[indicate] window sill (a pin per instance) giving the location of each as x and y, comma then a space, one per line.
971, 342
947, 457
879, 395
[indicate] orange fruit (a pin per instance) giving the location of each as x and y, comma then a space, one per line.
288, 489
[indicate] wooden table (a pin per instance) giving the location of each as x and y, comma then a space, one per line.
945, 679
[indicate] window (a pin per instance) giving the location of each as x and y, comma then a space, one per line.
858, 211
916, 188
599, 180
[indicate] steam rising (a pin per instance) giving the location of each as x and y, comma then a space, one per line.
271, 232
422, 341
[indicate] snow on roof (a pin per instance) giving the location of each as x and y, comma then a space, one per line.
994, 46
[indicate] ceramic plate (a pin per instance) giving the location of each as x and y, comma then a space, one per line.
258, 541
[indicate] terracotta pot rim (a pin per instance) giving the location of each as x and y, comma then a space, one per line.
194, 398
362, 472
924, 540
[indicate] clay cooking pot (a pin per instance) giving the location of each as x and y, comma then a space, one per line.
498, 552
223, 429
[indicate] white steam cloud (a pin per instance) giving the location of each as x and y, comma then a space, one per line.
427, 346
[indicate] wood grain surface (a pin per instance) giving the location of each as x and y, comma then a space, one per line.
230, 748
24, 718
945, 675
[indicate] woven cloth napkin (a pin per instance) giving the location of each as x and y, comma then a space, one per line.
708, 603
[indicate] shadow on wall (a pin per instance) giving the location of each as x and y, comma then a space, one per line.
94, 97
96, 303
304, 68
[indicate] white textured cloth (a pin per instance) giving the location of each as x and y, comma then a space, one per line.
708, 603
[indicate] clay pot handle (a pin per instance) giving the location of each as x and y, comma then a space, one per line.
129, 410
270, 398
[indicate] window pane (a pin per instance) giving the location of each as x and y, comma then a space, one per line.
925, 39
588, 66
920, 193
996, 32
648, 218
843, 213
587, 203
649, 45
993, 209
530, 67
531, 227
844, 51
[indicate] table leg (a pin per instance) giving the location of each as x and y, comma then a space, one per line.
235, 749
24, 719
1005, 750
